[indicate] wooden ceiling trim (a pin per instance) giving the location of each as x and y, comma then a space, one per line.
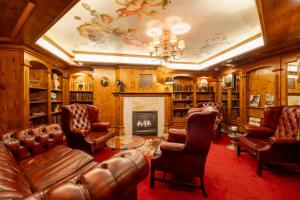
22, 19
231, 48
57, 46
262, 20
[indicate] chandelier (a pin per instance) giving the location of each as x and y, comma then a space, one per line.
166, 48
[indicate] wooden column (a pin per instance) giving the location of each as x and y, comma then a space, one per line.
243, 100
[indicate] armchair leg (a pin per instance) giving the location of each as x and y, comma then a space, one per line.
259, 168
238, 150
152, 176
203, 188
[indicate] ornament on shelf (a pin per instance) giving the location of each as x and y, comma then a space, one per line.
53, 95
121, 85
55, 82
57, 108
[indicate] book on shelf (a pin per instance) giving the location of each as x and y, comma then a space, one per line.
81, 96
182, 88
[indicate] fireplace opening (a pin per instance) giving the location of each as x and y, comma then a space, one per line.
144, 122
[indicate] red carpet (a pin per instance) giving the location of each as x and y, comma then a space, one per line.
226, 177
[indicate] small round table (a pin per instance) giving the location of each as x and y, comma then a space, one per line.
125, 142
233, 135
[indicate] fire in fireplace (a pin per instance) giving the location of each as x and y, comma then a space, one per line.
144, 122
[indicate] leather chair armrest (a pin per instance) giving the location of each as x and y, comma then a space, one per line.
79, 131
283, 140
258, 132
100, 126
171, 147
177, 135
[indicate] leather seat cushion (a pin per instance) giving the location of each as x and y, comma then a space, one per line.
252, 143
48, 168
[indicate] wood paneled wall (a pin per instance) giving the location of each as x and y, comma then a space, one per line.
131, 77
262, 77
12, 99
104, 99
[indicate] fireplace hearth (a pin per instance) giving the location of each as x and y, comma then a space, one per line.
144, 122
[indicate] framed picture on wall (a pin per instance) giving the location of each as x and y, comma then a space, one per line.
254, 100
254, 121
146, 81
228, 81
291, 83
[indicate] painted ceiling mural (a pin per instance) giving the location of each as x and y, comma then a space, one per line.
119, 26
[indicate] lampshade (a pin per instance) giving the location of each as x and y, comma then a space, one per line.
169, 80
181, 44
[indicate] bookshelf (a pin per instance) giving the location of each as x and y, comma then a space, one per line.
38, 93
57, 96
205, 94
81, 88
230, 99
183, 96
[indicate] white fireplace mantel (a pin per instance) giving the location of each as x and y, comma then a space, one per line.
137, 103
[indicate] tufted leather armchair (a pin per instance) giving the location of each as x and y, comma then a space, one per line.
82, 128
275, 140
185, 154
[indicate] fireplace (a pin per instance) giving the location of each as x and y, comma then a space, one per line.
144, 122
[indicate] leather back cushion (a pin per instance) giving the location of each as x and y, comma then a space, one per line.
288, 122
12, 183
200, 128
271, 115
93, 113
79, 115
25, 143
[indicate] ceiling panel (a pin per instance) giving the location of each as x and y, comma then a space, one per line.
119, 26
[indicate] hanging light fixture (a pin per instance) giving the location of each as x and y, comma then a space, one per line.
166, 47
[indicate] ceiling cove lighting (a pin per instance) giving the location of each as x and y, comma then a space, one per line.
253, 44
54, 50
86, 57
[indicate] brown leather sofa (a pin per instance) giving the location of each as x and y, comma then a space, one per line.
83, 129
275, 140
35, 165
185, 153
219, 119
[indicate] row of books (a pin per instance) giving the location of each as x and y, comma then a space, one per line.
56, 119
205, 96
205, 88
81, 96
182, 96
182, 88
182, 105
81, 86
180, 114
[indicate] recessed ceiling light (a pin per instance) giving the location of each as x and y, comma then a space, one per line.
180, 28
155, 31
